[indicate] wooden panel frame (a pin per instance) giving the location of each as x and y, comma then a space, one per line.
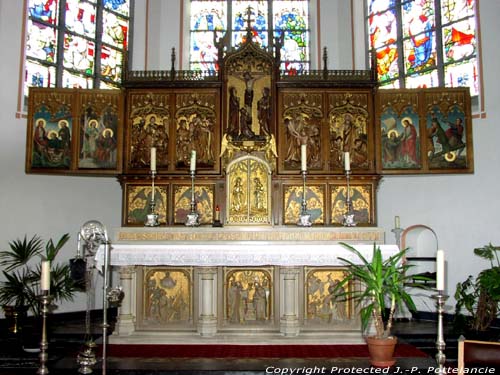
50, 148
204, 197
136, 200
363, 200
435, 141
316, 205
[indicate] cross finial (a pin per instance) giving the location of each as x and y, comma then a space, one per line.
249, 22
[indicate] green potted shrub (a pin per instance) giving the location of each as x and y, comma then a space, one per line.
383, 288
21, 265
480, 295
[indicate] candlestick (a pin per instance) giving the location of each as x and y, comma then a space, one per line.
192, 164
152, 216
45, 277
349, 213
153, 159
396, 222
305, 217
192, 218
347, 161
44, 343
440, 270
303, 157
440, 298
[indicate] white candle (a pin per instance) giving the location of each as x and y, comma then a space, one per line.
396, 222
303, 157
45, 277
192, 164
440, 270
153, 159
347, 161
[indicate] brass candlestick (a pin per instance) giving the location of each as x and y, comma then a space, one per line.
440, 298
349, 214
192, 219
45, 299
305, 217
152, 217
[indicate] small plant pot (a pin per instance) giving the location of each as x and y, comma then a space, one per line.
381, 351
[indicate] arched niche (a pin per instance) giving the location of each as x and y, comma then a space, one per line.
248, 194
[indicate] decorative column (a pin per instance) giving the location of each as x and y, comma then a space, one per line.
289, 301
207, 300
125, 324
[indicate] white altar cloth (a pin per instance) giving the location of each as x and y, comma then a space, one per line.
237, 253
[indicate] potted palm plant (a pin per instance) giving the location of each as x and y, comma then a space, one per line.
383, 289
22, 270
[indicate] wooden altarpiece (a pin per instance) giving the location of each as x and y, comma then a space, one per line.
247, 122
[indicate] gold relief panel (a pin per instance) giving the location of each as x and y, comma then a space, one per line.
249, 198
149, 126
138, 198
167, 295
204, 197
362, 202
315, 197
248, 295
348, 120
323, 306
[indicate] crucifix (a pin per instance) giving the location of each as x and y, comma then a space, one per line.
249, 21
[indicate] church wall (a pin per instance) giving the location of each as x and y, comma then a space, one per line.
462, 209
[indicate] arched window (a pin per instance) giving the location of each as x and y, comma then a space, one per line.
75, 43
424, 43
213, 19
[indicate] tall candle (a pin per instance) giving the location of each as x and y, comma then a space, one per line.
303, 157
347, 161
192, 164
440, 270
396, 222
153, 159
217, 213
45, 277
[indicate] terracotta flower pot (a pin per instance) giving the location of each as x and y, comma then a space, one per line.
381, 351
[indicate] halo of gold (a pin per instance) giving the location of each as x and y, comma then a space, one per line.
392, 131
52, 132
44, 122
406, 119
59, 124
148, 119
109, 130
179, 119
93, 121
450, 156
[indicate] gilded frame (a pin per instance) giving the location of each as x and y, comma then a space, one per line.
204, 198
315, 198
136, 203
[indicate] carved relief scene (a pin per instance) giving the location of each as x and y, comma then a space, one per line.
167, 295
323, 304
249, 296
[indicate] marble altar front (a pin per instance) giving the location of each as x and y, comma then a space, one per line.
236, 284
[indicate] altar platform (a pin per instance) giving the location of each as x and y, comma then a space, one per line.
237, 284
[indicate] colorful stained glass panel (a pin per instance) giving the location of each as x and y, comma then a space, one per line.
80, 18
38, 75
79, 54
72, 80
119, 6
382, 29
459, 41
46, 11
387, 62
419, 52
462, 75
115, 31
418, 17
41, 42
422, 80
208, 15
454, 10
111, 64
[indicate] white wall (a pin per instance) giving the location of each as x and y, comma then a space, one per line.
462, 209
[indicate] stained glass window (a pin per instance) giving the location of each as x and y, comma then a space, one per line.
213, 19
76, 43
424, 43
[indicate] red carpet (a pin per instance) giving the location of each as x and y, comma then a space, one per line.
253, 351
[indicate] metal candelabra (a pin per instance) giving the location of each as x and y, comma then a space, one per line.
152, 217
349, 214
305, 217
192, 219
45, 299
440, 298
